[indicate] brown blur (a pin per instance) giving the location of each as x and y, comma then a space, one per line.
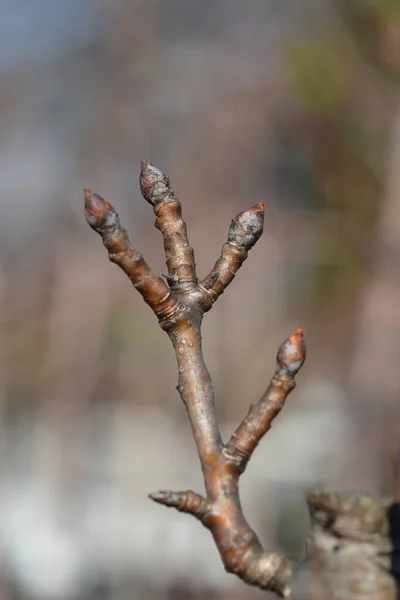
293, 103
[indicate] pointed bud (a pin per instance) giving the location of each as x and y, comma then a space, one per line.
154, 185
292, 353
99, 213
166, 497
188, 502
247, 227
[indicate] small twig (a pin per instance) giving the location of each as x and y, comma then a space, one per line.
180, 309
103, 218
188, 502
244, 441
243, 233
179, 255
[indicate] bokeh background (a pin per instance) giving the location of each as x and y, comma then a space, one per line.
294, 103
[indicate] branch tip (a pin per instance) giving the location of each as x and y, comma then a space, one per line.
259, 207
95, 208
154, 185
162, 497
187, 502
247, 227
292, 353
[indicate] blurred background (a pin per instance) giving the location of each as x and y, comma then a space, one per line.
294, 103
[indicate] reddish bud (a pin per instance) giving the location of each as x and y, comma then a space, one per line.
292, 353
98, 212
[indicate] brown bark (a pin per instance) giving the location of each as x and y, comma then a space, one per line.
157, 191
243, 233
102, 217
350, 549
180, 307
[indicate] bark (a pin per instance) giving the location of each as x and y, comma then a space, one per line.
350, 547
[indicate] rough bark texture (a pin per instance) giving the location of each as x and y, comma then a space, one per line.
350, 550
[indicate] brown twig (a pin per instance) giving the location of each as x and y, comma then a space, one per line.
243, 233
103, 218
179, 255
240, 549
244, 441
180, 309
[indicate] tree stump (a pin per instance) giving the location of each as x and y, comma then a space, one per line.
351, 551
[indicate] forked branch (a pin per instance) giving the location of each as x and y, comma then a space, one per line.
180, 307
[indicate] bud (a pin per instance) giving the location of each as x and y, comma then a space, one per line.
247, 226
154, 185
99, 213
292, 353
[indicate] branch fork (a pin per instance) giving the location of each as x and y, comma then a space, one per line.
179, 304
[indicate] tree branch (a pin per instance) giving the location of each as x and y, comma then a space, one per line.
188, 502
243, 233
180, 309
103, 218
179, 255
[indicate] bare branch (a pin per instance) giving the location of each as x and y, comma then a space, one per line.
244, 441
243, 233
196, 390
180, 310
103, 218
179, 255
240, 549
